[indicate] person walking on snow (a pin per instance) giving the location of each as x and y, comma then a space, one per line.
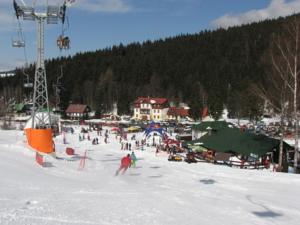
133, 159
157, 151
125, 163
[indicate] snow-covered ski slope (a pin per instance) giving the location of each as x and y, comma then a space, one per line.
155, 192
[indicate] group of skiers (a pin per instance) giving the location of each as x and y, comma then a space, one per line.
125, 146
95, 140
127, 161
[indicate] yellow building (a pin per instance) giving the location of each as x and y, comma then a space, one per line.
151, 108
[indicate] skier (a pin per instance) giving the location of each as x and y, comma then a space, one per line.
157, 151
133, 159
125, 163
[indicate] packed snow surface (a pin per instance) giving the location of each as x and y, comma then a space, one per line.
155, 192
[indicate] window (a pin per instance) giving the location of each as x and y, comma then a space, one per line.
157, 117
145, 111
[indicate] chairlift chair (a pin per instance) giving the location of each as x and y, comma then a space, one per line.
63, 42
28, 13
66, 42
59, 42
28, 85
18, 40
53, 13
18, 44
27, 82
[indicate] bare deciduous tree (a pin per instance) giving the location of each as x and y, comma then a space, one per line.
281, 89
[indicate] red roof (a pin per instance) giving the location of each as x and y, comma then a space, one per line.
204, 112
76, 108
174, 111
148, 100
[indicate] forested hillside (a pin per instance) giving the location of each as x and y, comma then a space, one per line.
211, 68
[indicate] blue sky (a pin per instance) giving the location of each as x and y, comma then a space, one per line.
96, 24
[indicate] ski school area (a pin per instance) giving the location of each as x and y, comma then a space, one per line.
79, 185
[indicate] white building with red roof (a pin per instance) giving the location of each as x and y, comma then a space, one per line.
78, 111
146, 108
178, 113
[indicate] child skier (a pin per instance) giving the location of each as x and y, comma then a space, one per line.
133, 159
125, 163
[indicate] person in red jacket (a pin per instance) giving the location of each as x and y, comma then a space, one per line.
125, 163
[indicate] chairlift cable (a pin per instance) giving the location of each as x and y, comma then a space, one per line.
26, 63
20, 42
22, 38
24, 4
20, 31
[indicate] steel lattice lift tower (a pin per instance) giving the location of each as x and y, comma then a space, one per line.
40, 111
38, 130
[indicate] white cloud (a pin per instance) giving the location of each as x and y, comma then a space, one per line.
275, 9
111, 6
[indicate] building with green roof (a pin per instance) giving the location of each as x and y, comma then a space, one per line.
225, 138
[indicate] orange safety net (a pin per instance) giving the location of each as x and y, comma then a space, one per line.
40, 139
